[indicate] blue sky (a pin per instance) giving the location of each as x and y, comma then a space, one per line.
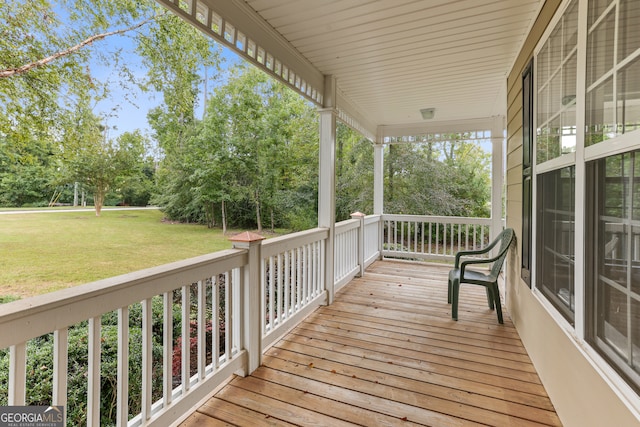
126, 108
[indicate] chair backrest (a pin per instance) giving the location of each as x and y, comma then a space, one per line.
506, 237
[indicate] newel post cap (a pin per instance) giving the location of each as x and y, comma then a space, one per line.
245, 239
357, 215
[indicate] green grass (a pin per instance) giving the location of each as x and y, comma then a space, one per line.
44, 252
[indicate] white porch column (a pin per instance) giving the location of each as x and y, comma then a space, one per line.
378, 178
497, 175
378, 187
327, 179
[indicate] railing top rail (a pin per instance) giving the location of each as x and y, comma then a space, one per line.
370, 219
347, 224
442, 219
291, 241
32, 317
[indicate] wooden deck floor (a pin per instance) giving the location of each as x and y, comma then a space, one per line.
387, 353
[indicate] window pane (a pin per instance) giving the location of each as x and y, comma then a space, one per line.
568, 137
600, 114
556, 94
635, 262
613, 328
568, 117
542, 145
600, 49
629, 31
542, 65
555, 50
613, 261
629, 97
569, 73
596, 8
635, 336
570, 28
555, 246
543, 107
553, 142
548, 144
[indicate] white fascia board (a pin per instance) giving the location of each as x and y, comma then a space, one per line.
443, 126
247, 21
350, 115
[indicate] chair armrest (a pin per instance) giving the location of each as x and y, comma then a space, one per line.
476, 252
464, 264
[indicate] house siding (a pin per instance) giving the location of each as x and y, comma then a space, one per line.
581, 394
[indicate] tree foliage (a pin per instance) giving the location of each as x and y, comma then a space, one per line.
250, 156
48, 88
450, 178
354, 173
99, 163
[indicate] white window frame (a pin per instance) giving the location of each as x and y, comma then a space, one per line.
562, 161
616, 145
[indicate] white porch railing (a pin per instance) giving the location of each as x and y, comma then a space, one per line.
436, 238
189, 325
346, 255
357, 243
204, 290
292, 281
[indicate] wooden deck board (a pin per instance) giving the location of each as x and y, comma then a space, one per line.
387, 353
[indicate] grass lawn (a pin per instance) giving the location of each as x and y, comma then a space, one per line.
44, 252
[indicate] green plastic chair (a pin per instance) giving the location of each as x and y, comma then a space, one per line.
460, 274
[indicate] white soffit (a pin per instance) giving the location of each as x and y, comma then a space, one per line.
390, 58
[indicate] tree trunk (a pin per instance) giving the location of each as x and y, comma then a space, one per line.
258, 218
224, 218
98, 200
213, 215
208, 214
273, 222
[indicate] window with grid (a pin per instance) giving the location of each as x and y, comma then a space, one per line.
612, 103
556, 71
601, 51
556, 236
613, 276
613, 69
556, 89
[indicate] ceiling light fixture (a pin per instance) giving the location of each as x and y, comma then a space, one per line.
428, 113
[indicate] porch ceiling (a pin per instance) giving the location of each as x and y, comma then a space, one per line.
391, 58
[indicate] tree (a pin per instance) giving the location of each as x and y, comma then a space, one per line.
255, 152
27, 168
96, 161
354, 173
472, 177
46, 52
175, 54
439, 178
136, 180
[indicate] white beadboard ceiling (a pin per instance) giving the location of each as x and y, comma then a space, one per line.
392, 58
